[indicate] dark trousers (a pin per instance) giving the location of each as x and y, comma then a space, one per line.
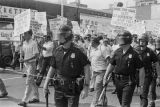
124, 91
66, 93
43, 71
153, 89
63, 100
144, 96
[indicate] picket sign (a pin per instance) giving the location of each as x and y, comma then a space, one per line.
22, 22
123, 17
76, 28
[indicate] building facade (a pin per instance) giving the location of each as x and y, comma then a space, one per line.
145, 2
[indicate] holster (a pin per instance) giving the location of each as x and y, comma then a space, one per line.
80, 83
69, 86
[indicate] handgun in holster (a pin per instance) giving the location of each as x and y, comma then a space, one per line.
80, 82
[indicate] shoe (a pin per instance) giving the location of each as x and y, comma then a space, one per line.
3, 95
34, 101
24, 104
24, 75
91, 89
114, 92
152, 104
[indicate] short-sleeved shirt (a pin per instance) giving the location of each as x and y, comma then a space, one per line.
148, 57
126, 64
30, 49
69, 63
98, 57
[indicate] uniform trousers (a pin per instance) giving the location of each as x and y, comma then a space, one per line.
124, 91
64, 100
144, 96
30, 82
66, 94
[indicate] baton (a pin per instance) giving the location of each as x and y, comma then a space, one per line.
104, 88
46, 96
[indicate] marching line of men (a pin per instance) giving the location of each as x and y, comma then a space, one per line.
78, 66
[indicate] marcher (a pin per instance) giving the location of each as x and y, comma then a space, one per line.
125, 61
30, 51
148, 58
47, 50
68, 64
99, 57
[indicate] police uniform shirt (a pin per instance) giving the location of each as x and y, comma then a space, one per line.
148, 56
127, 63
69, 63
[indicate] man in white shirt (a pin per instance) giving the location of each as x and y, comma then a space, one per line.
30, 51
46, 57
99, 57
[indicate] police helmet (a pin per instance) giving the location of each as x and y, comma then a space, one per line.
66, 31
144, 38
124, 38
157, 44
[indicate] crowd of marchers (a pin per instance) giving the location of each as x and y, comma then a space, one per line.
77, 65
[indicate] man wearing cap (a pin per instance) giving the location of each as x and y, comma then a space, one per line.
68, 64
47, 50
30, 51
125, 61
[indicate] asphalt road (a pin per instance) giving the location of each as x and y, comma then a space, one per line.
15, 85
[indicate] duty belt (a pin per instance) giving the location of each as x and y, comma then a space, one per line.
121, 77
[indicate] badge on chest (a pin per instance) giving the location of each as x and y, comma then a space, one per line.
73, 55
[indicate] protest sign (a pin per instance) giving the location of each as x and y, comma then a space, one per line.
36, 28
153, 26
123, 17
137, 28
76, 28
40, 17
22, 22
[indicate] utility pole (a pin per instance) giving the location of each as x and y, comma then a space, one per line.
78, 14
62, 6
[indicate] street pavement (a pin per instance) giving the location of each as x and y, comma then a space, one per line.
15, 85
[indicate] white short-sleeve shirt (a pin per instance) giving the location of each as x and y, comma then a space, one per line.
30, 49
97, 57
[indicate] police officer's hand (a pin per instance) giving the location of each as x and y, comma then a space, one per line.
158, 82
21, 60
45, 90
104, 80
84, 92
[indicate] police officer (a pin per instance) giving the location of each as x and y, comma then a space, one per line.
125, 61
68, 64
148, 58
155, 75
